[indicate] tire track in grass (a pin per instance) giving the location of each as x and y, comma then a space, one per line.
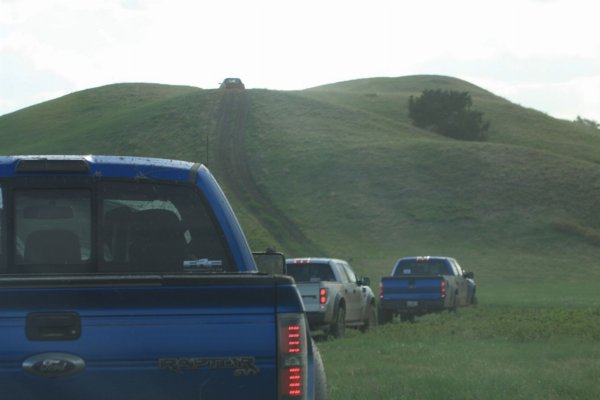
234, 169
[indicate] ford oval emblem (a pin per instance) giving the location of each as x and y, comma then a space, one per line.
54, 365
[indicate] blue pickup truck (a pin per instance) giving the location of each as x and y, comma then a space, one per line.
130, 278
419, 285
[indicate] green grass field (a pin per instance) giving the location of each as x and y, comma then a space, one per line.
486, 352
529, 341
339, 171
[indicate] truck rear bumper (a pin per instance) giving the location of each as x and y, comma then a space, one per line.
412, 306
316, 319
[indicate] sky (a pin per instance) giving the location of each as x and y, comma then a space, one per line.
541, 54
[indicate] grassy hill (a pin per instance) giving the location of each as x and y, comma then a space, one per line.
339, 170
357, 176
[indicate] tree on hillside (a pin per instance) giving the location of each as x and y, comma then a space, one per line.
587, 122
448, 113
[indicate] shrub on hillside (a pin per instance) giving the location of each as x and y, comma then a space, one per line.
588, 122
448, 113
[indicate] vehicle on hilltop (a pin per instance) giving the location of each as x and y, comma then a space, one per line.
232, 83
130, 278
334, 298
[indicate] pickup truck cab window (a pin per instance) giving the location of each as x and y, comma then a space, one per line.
157, 228
344, 278
459, 271
349, 273
422, 267
52, 227
310, 272
113, 227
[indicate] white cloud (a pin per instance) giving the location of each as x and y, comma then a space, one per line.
295, 45
566, 99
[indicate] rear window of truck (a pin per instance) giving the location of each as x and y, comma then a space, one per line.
422, 268
110, 227
310, 272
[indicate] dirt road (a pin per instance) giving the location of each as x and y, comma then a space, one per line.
234, 169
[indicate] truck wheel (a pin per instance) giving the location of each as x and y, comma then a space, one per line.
385, 316
338, 328
320, 377
454, 306
370, 319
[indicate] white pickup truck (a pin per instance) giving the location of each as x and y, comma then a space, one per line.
333, 296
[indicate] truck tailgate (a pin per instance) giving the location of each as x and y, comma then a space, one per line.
412, 288
309, 291
152, 339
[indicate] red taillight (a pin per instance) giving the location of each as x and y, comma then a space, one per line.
292, 359
323, 296
444, 284
294, 378
293, 339
381, 290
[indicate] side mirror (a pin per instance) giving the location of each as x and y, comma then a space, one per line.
270, 262
365, 281
469, 275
